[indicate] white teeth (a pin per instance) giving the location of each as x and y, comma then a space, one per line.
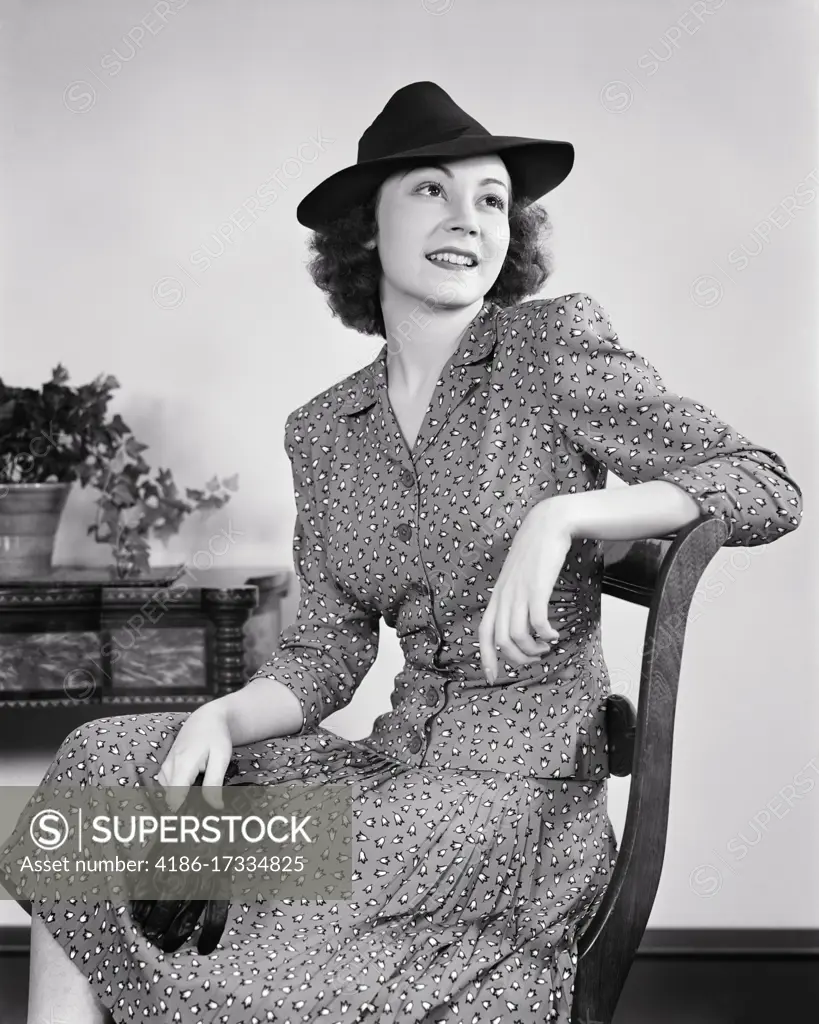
447, 257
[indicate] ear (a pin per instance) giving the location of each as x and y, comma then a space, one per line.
370, 244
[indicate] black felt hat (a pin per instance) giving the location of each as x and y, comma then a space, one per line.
422, 121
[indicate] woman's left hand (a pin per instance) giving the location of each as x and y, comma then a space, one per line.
519, 606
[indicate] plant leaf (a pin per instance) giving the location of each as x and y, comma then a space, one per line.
131, 517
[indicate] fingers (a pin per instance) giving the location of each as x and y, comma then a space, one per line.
486, 636
215, 777
512, 635
163, 776
180, 775
541, 630
521, 633
198, 757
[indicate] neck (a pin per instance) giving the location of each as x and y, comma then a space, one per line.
422, 338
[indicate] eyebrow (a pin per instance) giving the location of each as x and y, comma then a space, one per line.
445, 170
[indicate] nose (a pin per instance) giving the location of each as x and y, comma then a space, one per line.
463, 218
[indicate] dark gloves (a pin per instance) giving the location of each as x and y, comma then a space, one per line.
169, 923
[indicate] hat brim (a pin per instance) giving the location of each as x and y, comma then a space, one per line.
535, 166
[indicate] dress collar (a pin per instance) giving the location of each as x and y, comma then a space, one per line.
476, 343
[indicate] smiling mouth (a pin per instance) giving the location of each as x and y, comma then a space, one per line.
451, 260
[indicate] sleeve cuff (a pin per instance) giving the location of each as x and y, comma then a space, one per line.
308, 697
703, 484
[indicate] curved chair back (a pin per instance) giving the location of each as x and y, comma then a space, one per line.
661, 574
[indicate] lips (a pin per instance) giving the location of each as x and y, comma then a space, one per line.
459, 258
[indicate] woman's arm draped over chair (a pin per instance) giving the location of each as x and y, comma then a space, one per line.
612, 404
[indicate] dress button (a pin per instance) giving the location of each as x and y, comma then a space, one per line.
407, 478
415, 744
432, 695
403, 531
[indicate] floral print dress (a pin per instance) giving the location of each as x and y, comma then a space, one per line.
482, 840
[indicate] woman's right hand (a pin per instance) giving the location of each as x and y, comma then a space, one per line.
203, 744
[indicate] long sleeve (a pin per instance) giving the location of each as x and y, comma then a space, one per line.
613, 405
324, 655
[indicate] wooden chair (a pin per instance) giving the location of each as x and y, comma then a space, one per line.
662, 575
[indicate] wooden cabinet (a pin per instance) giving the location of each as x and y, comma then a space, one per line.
179, 638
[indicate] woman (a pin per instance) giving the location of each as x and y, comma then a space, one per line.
454, 487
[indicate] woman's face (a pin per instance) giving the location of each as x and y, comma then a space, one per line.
458, 206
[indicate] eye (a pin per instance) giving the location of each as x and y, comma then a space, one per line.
499, 200
429, 184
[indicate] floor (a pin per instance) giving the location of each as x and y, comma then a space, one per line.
659, 990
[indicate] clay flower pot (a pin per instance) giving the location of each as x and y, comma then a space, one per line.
29, 518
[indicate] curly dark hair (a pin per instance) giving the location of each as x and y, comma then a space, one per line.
350, 274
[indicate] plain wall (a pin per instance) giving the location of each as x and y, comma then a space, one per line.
153, 172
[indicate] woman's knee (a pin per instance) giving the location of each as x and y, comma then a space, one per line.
153, 732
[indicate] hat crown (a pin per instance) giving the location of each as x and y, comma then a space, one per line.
419, 114
421, 123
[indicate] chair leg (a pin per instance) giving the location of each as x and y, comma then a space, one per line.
589, 1016
594, 1003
